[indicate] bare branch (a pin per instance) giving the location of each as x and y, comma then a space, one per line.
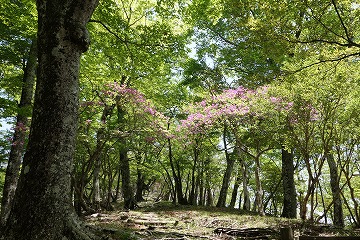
328, 60
347, 44
222, 37
323, 25
342, 22
125, 41
108, 29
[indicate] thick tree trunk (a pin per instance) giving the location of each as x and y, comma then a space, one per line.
336, 191
42, 207
18, 141
289, 200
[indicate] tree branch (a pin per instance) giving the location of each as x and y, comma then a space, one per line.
347, 44
125, 41
328, 60
342, 22
323, 25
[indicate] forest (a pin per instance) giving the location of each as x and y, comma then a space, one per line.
244, 105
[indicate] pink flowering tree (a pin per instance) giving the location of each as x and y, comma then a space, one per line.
254, 118
120, 122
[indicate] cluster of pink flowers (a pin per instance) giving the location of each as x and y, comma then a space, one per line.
143, 114
234, 105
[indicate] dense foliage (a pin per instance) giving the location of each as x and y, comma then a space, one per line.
196, 102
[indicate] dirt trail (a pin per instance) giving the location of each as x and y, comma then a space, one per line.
169, 222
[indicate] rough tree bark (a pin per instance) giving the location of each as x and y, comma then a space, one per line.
17, 147
289, 200
42, 206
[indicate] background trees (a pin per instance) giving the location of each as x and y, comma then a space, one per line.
250, 104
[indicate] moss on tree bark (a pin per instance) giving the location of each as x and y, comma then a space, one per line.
42, 205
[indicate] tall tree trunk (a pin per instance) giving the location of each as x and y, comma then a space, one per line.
244, 168
42, 207
178, 185
98, 155
115, 198
225, 184
96, 184
336, 191
201, 186
177, 176
235, 190
192, 198
259, 194
289, 200
18, 141
140, 185
128, 192
227, 175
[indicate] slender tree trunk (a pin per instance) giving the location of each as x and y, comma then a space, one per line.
96, 184
117, 185
336, 191
98, 155
209, 197
128, 193
259, 195
177, 176
178, 185
227, 175
201, 186
245, 178
42, 207
140, 185
18, 141
235, 190
289, 199
192, 198
226, 182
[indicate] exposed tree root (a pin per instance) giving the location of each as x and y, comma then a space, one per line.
78, 230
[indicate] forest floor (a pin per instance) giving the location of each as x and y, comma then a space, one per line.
174, 222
